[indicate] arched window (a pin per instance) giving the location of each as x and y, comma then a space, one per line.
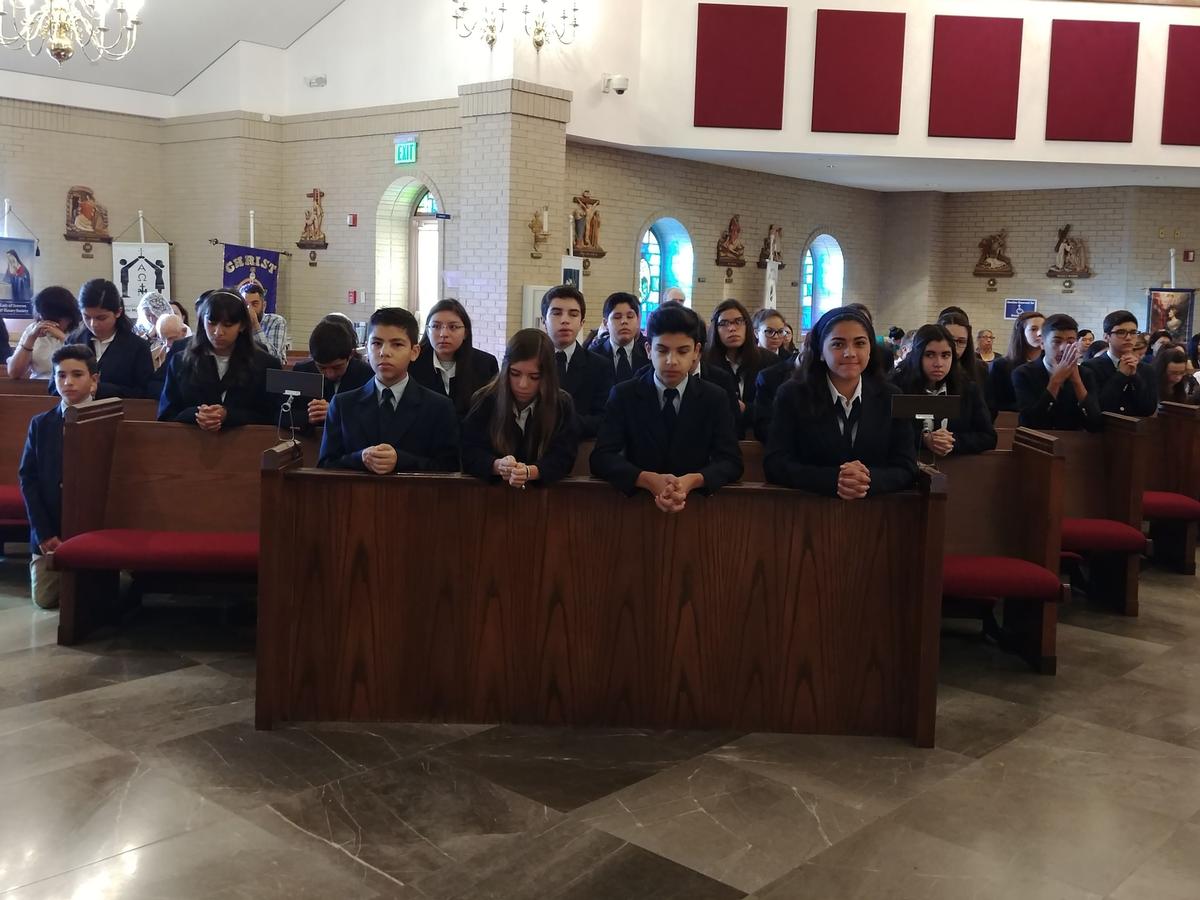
426, 239
408, 247
666, 261
823, 274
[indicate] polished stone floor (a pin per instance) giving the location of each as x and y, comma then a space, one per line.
130, 769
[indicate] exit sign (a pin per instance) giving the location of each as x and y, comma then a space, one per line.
406, 149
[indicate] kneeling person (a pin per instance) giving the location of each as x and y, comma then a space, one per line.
664, 431
332, 348
391, 424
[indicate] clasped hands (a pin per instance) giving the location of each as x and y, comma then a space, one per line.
854, 480
670, 491
940, 442
516, 473
380, 459
211, 417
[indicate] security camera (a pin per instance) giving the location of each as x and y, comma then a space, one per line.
618, 83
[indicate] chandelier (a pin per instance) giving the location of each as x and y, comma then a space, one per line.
539, 24
63, 26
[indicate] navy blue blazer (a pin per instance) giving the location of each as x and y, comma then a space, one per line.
766, 386
357, 374
1130, 395
1062, 413
126, 369
602, 347
469, 376
589, 382
633, 438
805, 447
716, 375
554, 464
40, 475
191, 383
745, 380
423, 430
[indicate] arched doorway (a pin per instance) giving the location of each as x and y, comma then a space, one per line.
665, 260
823, 275
409, 247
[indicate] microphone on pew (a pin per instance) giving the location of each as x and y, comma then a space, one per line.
286, 410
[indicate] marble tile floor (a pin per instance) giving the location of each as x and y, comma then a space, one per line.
130, 769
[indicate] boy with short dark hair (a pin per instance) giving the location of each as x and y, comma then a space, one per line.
622, 348
391, 424
665, 431
77, 377
333, 348
582, 375
1126, 384
1053, 392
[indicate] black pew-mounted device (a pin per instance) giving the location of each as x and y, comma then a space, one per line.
295, 386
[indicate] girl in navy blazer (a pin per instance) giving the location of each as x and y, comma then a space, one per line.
931, 367
522, 428
449, 364
126, 365
731, 346
833, 432
219, 380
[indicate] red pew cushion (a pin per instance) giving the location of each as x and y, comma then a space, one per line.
1101, 536
1169, 505
135, 549
982, 577
12, 504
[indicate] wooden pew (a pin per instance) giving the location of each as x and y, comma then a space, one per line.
25, 387
1105, 476
758, 608
752, 461
1003, 532
152, 497
1007, 419
1172, 486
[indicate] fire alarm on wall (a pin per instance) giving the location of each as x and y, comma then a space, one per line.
352, 220
1189, 255
351, 296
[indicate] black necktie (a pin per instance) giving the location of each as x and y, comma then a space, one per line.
388, 403
561, 356
849, 423
624, 370
669, 414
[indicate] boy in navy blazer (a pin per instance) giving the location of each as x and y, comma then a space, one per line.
622, 347
1053, 392
391, 424
333, 351
583, 375
1126, 384
77, 377
664, 431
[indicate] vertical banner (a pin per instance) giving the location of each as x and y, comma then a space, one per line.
771, 286
246, 264
1172, 311
16, 278
138, 269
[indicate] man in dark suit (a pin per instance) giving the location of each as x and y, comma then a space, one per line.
585, 376
1126, 384
1053, 392
665, 431
623, 347
391, 424
333, 351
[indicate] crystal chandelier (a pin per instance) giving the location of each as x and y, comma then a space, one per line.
63, 26
539, 24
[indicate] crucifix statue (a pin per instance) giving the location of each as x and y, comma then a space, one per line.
313, 236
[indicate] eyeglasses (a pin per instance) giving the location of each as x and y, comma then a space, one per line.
731, 323
451, 327
1124, 332
774, 332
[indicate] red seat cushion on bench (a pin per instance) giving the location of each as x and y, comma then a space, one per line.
983, 577
1101, 536
12, 504
135, 549
1169, 505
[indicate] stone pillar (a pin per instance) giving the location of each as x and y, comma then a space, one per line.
514, 141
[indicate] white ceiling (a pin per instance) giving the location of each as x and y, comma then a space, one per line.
179, 39
948, 175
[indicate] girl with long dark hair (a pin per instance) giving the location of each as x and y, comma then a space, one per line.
832, 432
732, 347
1024, 345
219, 380
126, 365
1171, 375
933, 367
449, 362
522, 428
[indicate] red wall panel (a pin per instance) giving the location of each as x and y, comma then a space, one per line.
976, 75
858, 71
740, 52
1093, 80
1181, 103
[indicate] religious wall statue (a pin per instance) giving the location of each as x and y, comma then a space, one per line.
731, 250
1070, 257
540, 226
993, 256
772, 248
313, 236
586, 219
87, 220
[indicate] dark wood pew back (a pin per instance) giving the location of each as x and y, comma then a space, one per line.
25, 387
1173, 450
1105, 472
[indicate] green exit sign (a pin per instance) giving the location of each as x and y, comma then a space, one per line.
406, 149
